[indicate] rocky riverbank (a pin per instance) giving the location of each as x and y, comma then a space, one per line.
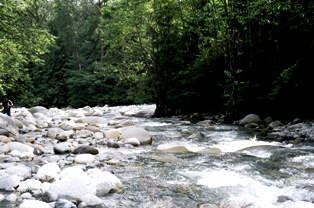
53, 157
296, 132
58, 157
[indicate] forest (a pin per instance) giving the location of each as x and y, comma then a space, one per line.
230, 57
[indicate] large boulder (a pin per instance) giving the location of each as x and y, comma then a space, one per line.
104, 181
41, 110
251, 118
136, 132
73, 185
7, 126
48, 172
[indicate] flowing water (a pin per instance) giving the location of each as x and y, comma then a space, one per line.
269, 173
247, 168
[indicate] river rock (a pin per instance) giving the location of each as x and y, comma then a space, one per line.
42, 121
98, 135
275, 124
198, 135
251, 118
111, 143
112, 134
40, 109
22, 171
61, 138
84, 133
137, 132
125, 123
92, 120
20, 147
104, 181
174, 148
11, 197
84, 159
91, 200
33, 204
18, 124
8, 126
85, 149
132, 141
4, 148
4, 132
63, 148
29, 185
5, 139
210, 150
73, 185
68, 125
48, 172
25, 117
63, 203
26, 195
53, 132
7, 181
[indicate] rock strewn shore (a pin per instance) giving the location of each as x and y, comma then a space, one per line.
53, 157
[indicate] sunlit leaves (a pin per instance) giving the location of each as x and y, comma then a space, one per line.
21, 41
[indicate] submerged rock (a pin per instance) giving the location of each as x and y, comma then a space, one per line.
136, 132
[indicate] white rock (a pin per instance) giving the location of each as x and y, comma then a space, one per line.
11, 197
1, 197
22, 171
84, 158
73, 170
65, 147
133, 141
29, 185
18, 123
15, 153
9, 181
92, 120
140, 133
68, 125
98, 135
74, 184
34, 204
4, 148
172, 147
26, 196
112, 134
52, 132
125, 123
20, 147
48, 172
104, 181
91, 200
27, 155
84, 133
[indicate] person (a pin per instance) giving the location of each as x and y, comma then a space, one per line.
6, 105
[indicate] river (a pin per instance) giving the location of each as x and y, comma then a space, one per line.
248, 172
268, 173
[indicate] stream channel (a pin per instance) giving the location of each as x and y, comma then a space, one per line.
246, 168
267, 174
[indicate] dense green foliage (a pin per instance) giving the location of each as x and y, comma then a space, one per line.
217, 56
